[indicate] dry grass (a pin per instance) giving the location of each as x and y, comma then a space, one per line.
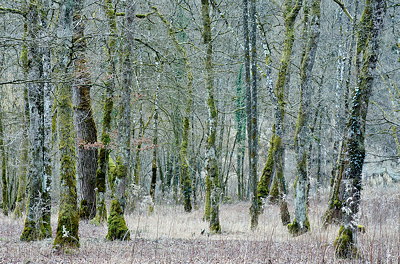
171, 236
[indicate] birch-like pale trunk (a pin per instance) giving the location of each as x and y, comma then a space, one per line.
37, 223
212, 170
303, 132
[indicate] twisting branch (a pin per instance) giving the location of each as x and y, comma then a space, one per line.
343, 7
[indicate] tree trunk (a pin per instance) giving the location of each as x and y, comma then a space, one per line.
67, 234
212, 170
4, 180
253, 131
85, 126
37, 223
370, 27
153, 182
22, 172
102, 169
117, 229
333, 214
290, 14
303, 132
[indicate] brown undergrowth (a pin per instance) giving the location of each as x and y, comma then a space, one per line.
171, 236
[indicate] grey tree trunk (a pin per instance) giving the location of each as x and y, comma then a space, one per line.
85, 126
4, 178
109, 83
303, 132
22, 177
212, 170
370, 27
37, 223
117, 229
253, 119
278, 189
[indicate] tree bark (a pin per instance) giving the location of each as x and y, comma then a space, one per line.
279, 190
253, 131
85, 126
109, 83
67, 234
303, 132
4, 178
212, 170
117, 228
370, 27
37, 223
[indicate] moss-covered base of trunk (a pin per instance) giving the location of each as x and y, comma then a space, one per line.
35, 231
215, 228
67, 235
344, 244
284, 211
117, 229
333, 214
274, 193
254, 213
101, 210
19, 208
85, 210
296, 230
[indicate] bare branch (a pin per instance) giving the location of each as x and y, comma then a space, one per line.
345, 10
12, 10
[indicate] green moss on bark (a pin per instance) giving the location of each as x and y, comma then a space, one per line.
263, 187
295, 229
117, 229
344, 244
67, 234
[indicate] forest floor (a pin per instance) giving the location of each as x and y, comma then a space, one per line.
171, 236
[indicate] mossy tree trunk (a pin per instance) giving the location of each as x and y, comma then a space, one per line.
333, 214
37, 224
370, 27
84, 123
265, 182
109, 83
212, 169
279, 187
117, 228
303, 132
252, 119
68, 216
4, 179
67, 234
